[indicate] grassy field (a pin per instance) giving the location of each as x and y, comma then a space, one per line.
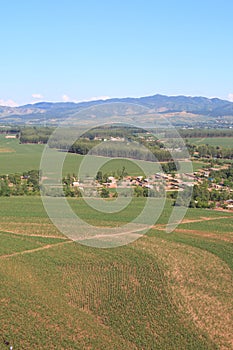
17, 158
164, 291
226, 142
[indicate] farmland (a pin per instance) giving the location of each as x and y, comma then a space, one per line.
17, 158
226, 142
163, 291
152, 294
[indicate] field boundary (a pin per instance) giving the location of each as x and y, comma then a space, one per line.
29, 251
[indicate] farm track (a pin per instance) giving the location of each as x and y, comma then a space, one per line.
162, 227
29, 251
205, 234
33, 235
202, 140
33, 224
203, 218
115, 234
158, 227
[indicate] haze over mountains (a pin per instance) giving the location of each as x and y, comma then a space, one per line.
181, 110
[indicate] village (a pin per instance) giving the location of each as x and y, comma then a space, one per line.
210, 192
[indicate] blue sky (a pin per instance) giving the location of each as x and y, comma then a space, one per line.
79, 50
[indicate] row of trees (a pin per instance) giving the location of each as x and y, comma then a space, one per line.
153, 149
113, 130
28, 133
135, 146
41, 134
10, 130
207, 151
196, 133
35, 134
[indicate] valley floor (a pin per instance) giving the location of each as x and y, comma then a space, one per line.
164, 291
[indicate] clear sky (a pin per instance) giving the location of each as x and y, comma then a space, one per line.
61, 50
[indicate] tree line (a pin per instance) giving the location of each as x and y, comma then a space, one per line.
199, 133
35, 134
207, 151
153, 150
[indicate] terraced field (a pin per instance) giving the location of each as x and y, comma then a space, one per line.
164, 291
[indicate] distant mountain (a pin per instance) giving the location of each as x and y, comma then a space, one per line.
182, 110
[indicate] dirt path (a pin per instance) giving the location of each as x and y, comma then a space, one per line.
201, 140
113, 235
48, 246
29, 223
203, 218
205, 234
189, 221
222, 237
160, 227
33, 234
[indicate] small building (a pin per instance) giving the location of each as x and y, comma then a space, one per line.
112, 179
10, 136
111, 184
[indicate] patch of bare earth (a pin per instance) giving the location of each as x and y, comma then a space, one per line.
201, 284
6, 150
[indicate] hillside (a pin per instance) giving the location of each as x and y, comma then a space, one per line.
181, 110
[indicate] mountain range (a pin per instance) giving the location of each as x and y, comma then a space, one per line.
181, 110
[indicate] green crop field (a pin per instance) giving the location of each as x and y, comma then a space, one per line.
226, 142
17, 158
154, 293
163, 291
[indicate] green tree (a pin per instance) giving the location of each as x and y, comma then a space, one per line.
104, 193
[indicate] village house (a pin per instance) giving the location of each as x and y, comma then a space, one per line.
10, 136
